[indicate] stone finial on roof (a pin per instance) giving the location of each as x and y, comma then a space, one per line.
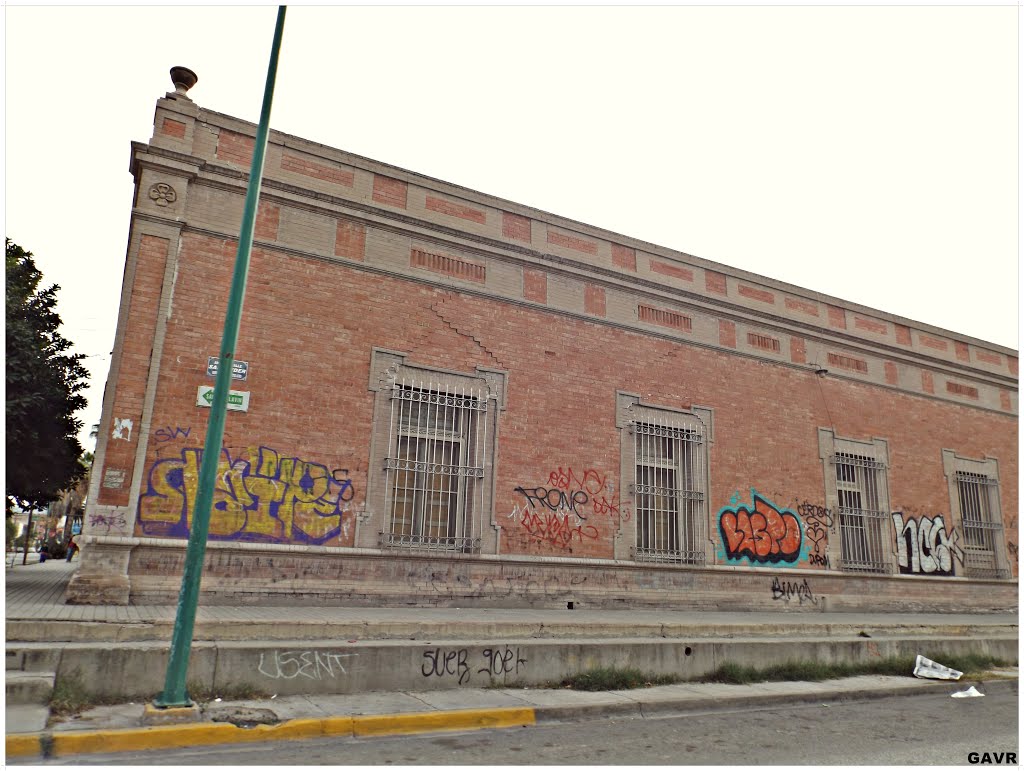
183, 79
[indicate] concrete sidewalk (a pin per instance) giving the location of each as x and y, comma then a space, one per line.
120, 728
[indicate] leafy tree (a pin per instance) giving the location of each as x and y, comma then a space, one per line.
43, 385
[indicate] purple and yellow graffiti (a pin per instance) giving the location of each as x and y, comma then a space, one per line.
259, 496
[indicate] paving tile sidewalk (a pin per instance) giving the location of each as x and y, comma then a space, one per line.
36, 591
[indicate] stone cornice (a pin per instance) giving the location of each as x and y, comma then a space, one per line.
643, 288
230, 123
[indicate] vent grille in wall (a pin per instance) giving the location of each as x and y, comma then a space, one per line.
664, 318
452, 266
848, 362
764, 342
963, 390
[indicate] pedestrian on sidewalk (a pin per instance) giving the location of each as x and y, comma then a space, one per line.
72, 548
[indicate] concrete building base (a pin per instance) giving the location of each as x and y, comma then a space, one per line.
148, 571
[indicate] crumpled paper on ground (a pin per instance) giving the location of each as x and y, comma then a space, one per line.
931, 669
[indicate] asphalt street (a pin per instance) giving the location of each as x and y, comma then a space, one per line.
928, 729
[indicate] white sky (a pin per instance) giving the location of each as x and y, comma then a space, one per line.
867, 152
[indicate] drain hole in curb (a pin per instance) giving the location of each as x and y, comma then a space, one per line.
688, 650
569, 605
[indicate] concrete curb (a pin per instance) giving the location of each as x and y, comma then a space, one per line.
53, 744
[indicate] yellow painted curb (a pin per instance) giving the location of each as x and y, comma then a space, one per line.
195, 734
455, 720
198, 734
20, 745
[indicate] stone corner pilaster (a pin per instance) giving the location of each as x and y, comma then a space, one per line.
102, 578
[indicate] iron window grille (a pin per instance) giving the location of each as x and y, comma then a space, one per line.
862, 517
669, 496
434, 467
983, 531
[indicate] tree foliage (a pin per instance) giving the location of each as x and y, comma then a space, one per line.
43, 390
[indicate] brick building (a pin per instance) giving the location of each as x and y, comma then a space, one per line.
447, 398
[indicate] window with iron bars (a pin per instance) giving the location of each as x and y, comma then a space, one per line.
669, 493
433, 466
981, 522
862, 513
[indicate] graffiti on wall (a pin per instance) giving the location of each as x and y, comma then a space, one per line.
313, 665
556, 528
792, 590
761, 533
107, 522
565, 509
166, 434
923, 546
818, 522
261, 495
457, 663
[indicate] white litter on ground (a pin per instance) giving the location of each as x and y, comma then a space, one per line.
927, 668
972, 691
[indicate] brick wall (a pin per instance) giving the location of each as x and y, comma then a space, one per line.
308, 347
130, 389
296, 466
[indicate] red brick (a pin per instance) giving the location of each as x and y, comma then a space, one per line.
453, 209
797, 350
927, 382
801, 306
350, 240
715, 282
310, 168
1011, 363
667, 269
268, 221
624, 257
130, 389
235, 148
753, 400
836, 317
987, 356
1004, 400
571, 242
760, 295
726, 333
871, 325
516, 227
393, 192
173, 128
594, 300
535, 285
892, 374
903, 335
933, 342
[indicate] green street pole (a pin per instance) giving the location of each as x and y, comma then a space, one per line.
174, 694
